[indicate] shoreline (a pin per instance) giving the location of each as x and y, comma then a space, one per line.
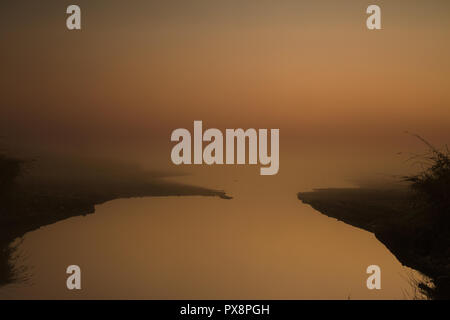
30, 207
389, 215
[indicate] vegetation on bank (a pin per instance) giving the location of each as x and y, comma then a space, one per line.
9, 171
431, 186
431, 191
413, 221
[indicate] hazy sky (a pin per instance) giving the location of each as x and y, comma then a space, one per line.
139, 69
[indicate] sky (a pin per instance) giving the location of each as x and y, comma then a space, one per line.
138, 70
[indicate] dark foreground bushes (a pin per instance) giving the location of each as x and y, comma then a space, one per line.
432, 185
9, 171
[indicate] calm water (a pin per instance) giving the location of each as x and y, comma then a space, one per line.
262, 244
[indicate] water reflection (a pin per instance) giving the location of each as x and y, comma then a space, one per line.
262, 244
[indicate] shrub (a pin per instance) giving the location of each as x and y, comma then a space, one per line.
9, 170
432, 184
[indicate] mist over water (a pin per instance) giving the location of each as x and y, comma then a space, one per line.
262, 244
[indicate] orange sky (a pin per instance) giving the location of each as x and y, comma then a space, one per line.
137, 71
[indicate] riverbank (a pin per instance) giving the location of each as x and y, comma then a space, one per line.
48, 193
390, 214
